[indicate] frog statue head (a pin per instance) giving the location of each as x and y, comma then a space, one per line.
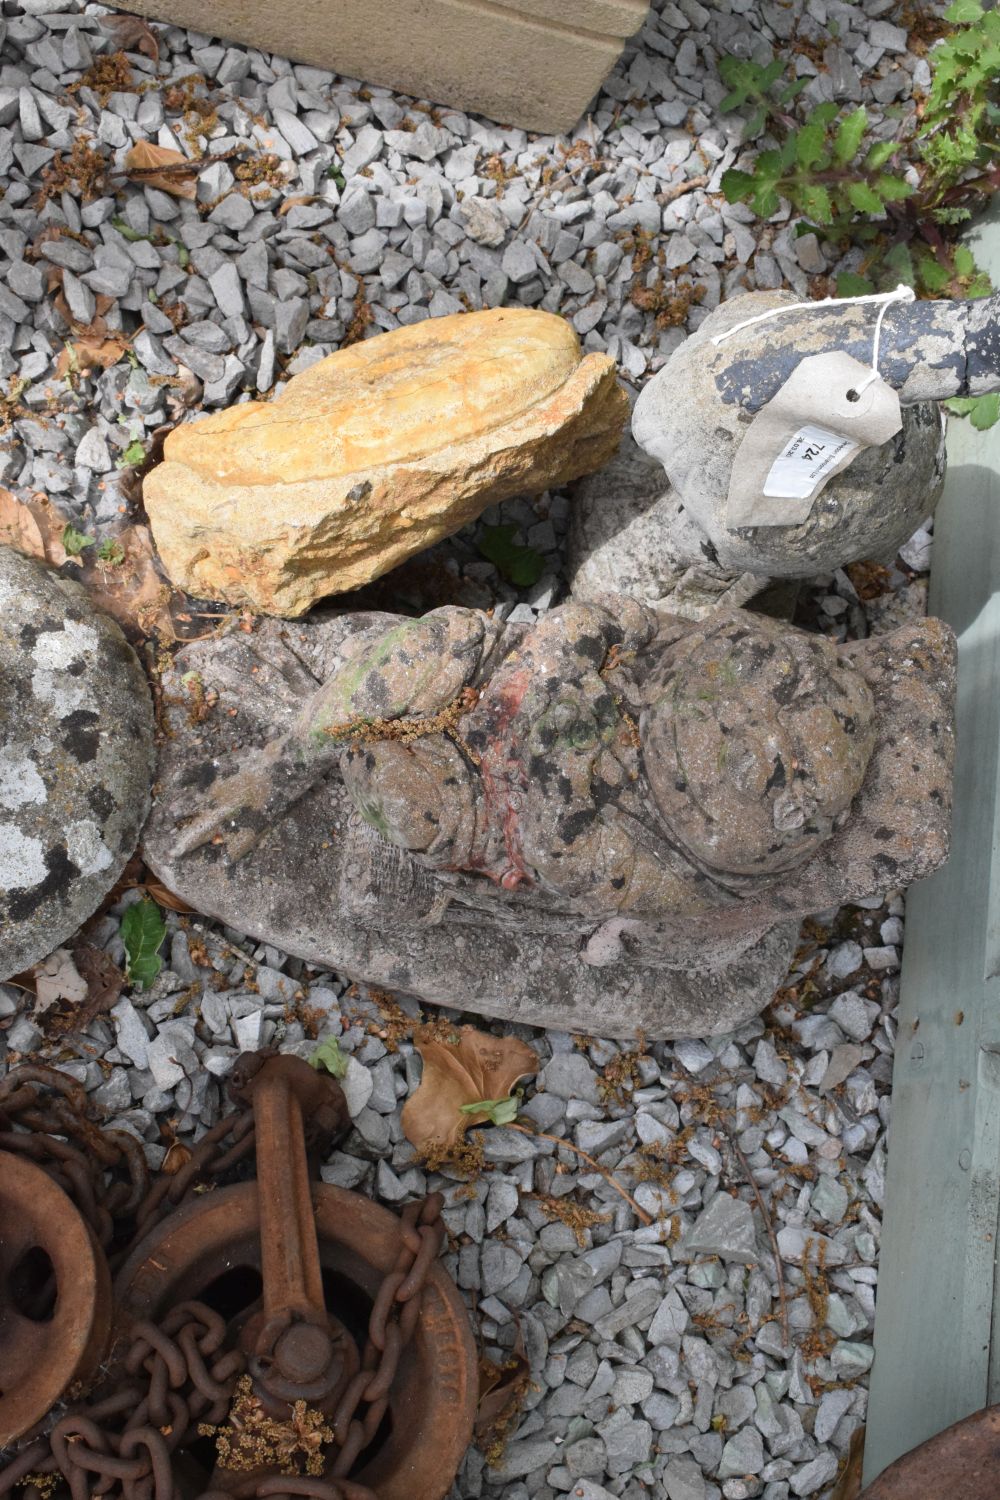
755, 738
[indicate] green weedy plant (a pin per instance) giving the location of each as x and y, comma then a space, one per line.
142, 931
902, 200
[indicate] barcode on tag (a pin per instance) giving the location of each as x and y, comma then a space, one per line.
808, 457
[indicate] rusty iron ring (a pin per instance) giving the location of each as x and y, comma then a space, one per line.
432, 1402
55, 1296
963, 1462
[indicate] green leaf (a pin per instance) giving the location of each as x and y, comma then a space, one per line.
880, 153
127, 232
965, 263
755, 123
815, 201
183, 256
142, 931
336, 175
112, 552
766, 201
850, 285
964, 12
900, 262
522, 566
134, 454
892, 188
933, 276
861, 197
791, 90
74, 541
809, 144
982, 411
737, 185
329, 1056
849, 136
497, 1111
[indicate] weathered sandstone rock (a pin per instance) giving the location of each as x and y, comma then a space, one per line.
377, 452
76, 758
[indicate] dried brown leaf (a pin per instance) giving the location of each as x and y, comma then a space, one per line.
294, 202
159, 167
131, 590
502, 1389
72, 986
475, 1066
18, 527
58, 982
131, 34
848, 1486
177, 1157
34, 527
90, 353
163, 896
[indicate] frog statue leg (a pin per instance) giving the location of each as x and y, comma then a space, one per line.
415, 669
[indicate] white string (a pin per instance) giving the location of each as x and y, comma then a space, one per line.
901, 294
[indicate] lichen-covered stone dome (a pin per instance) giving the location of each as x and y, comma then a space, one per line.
76, 758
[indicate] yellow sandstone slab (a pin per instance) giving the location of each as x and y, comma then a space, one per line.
377, 452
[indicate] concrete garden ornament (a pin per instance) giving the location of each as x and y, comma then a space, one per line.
612, 819
795, 438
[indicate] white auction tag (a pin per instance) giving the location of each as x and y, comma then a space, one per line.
807, 459
826, 412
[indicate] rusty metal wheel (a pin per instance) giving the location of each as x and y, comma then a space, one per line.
55, 1296
209, 1251
961, 1463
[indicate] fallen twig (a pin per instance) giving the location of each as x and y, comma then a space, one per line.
671, 194
562, 1141
769, 1226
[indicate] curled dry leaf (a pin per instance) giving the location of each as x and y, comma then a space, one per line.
34, 527
502, 1389
159, 167
177, 1157
131, 34
472, 1067
294, 202
136, 877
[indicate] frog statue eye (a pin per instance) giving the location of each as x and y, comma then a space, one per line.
755, 739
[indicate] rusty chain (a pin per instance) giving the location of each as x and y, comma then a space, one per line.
179, 1376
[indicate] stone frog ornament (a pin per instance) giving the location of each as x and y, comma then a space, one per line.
697, 416
610, 820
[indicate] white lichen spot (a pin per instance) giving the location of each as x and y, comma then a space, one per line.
63, 693
55, 649
20, 782
86, 848
22, 859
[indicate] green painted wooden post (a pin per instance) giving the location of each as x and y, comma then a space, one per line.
936, 1355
